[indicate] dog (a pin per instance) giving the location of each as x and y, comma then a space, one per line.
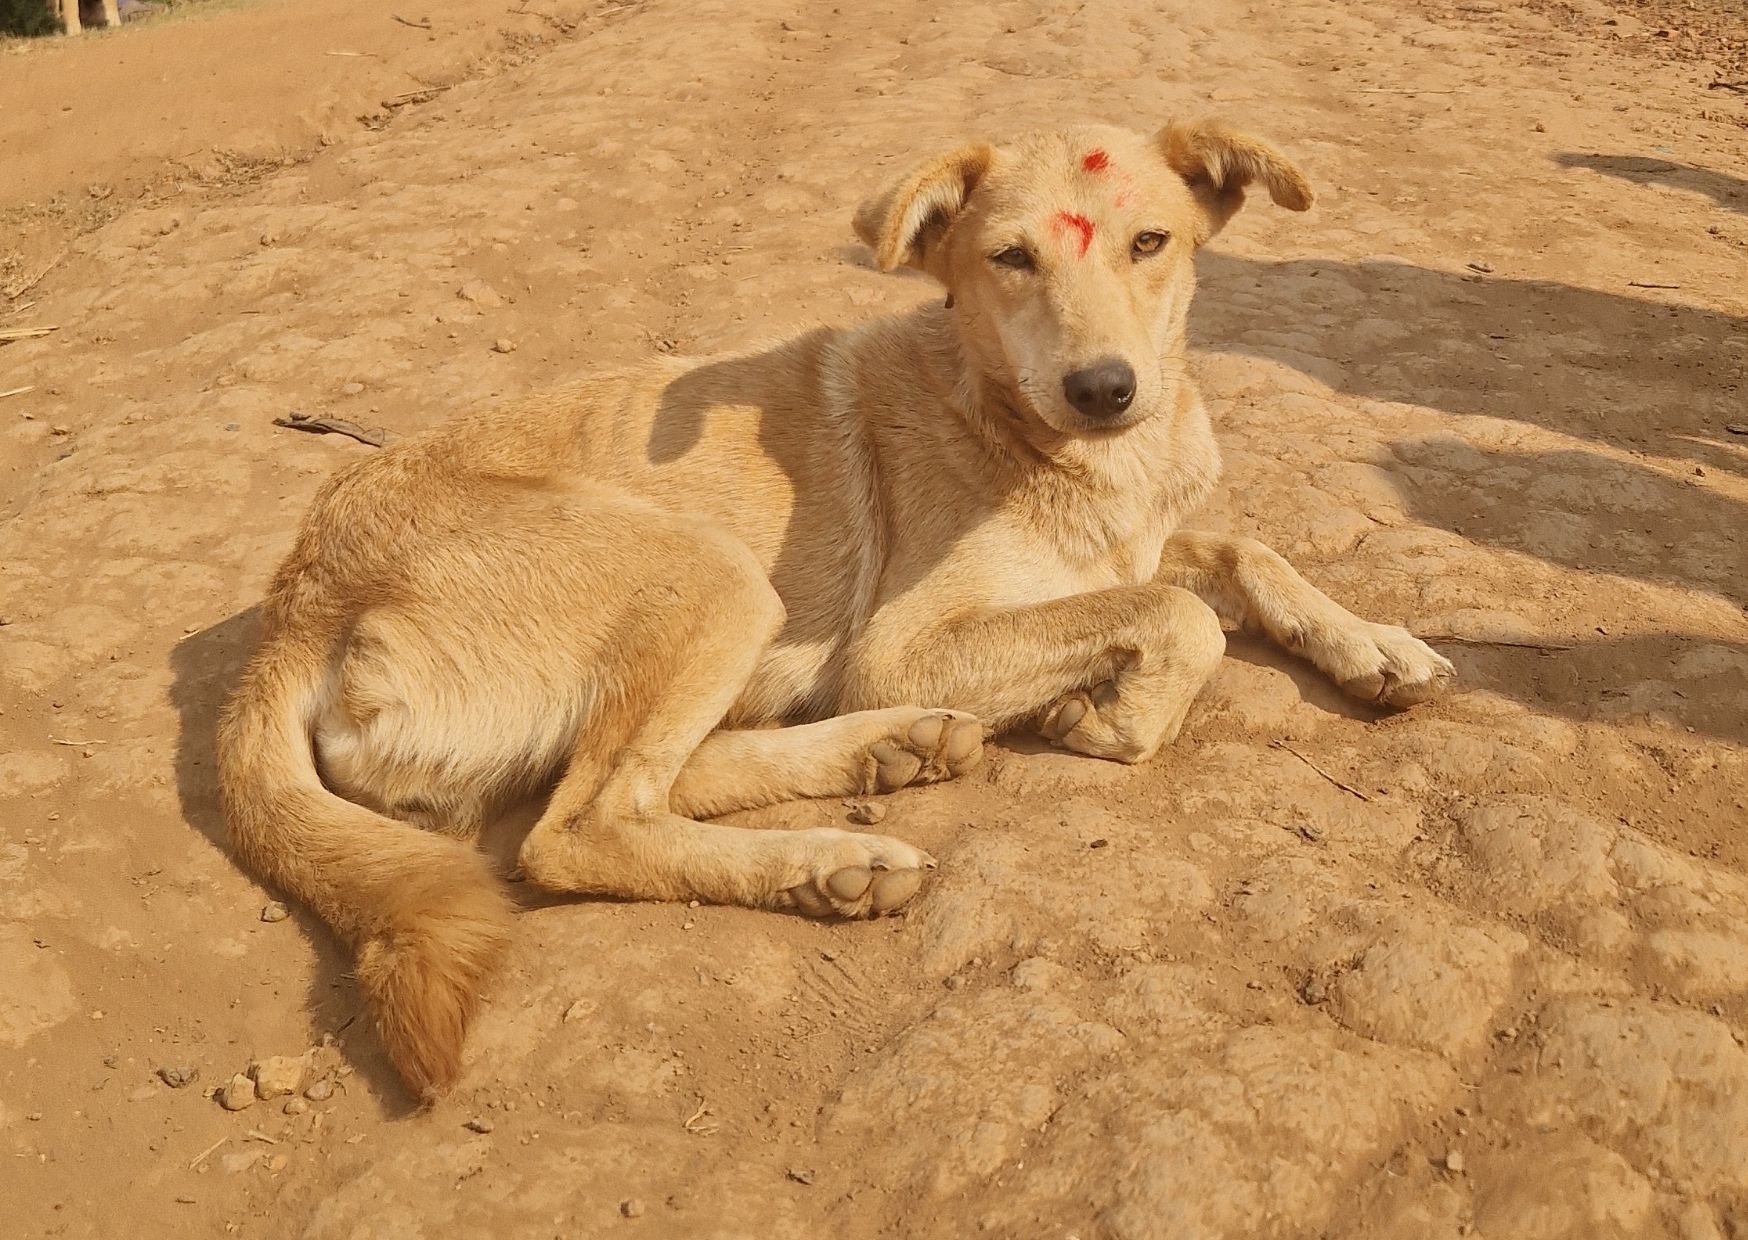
70, 16
827, 567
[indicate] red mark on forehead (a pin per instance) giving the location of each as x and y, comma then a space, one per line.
1096, 161
1067, 221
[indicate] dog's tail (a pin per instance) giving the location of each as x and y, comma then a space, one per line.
424, 913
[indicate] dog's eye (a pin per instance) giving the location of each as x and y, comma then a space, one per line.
1016, 257
1147, 243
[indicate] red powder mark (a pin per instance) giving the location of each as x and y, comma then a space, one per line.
1067, 220
1097, 161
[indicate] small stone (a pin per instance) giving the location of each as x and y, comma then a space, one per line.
240, 1161
178, 1077
578, 1010
867, 813
275, 911
799, 1176
954, 982
480, 294
321, 1091
504, 345
631, 1207
1314, 992
279, 1075
479, 1124
296, 1106
351, 389
237, 1094
278, 1162
1454, 1162
1485, 268
1101, 842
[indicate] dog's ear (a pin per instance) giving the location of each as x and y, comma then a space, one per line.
1218, 163
904, 223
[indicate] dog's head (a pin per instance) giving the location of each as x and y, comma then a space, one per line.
1068, 256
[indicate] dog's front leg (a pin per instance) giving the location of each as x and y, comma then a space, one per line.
1253, 586
1109, 673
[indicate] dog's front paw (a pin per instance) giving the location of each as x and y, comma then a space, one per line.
1387, 664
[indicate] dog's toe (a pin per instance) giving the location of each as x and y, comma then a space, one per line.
930, 746
856, 875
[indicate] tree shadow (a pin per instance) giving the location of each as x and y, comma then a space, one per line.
1587, 512
206, 667
1730, 192
1638, 375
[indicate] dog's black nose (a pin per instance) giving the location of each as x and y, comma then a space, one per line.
1102, 390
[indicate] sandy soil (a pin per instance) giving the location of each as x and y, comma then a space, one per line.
1496, 986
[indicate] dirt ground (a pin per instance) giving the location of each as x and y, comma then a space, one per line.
1476, 970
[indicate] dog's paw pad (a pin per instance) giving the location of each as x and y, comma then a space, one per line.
936, 745
885, 875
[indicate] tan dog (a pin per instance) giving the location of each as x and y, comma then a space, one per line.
888, 538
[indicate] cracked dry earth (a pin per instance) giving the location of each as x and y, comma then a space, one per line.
1496, 986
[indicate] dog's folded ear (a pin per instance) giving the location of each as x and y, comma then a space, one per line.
905, 222
1218, 163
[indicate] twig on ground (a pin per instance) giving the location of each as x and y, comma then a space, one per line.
699, 1125
29, 387
1345, 787
1413, 90
424, 25
1648, 284
207, 1152
370, 55
423, 95
375, 436
9, 334
1720, 84
74, 744
1494, 641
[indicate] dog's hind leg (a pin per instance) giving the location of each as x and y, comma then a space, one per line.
611, 826
869, 751
1253, 586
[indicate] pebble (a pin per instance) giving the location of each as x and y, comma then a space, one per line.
631, 1207
867, 813
1314, 992
504, 345
1484, 268
179, 1076
278, 1162
279, 1075
1309, 831
479, 1124
275, 911
296, 1106
799, 1176
351, 389
1454, 1162
321, 1091
237, 1094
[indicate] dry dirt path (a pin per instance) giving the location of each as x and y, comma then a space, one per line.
1498, 989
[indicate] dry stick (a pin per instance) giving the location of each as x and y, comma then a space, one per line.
8, 334
75, 744
1413, 90
424, 25
1493, 641
30, 387
1722, 85
202, 1156
1332, 779
371, 55
376, 437
1644, 284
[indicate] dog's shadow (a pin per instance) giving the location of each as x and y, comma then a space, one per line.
205, 668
